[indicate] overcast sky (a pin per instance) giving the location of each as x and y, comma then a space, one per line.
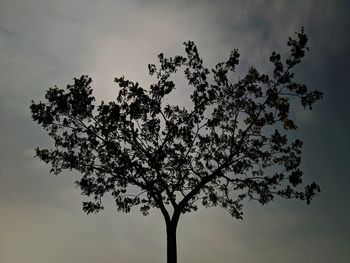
45, 43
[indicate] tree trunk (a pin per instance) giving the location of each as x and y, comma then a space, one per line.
171, 242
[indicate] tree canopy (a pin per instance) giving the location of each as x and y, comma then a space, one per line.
233, 143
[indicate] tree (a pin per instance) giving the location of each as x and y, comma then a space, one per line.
232, 144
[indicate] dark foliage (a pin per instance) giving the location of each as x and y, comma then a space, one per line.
231, 145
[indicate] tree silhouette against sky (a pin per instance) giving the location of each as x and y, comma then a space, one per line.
233, 143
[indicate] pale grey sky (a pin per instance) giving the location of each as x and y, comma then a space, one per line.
45, 43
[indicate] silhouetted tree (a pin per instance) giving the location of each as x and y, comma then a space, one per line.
230, 145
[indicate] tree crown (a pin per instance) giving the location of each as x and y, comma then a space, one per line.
230, 145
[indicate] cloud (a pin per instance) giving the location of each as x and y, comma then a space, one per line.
46, 43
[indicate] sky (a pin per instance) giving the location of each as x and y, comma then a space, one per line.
45, 43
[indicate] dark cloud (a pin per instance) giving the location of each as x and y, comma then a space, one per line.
46, 43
